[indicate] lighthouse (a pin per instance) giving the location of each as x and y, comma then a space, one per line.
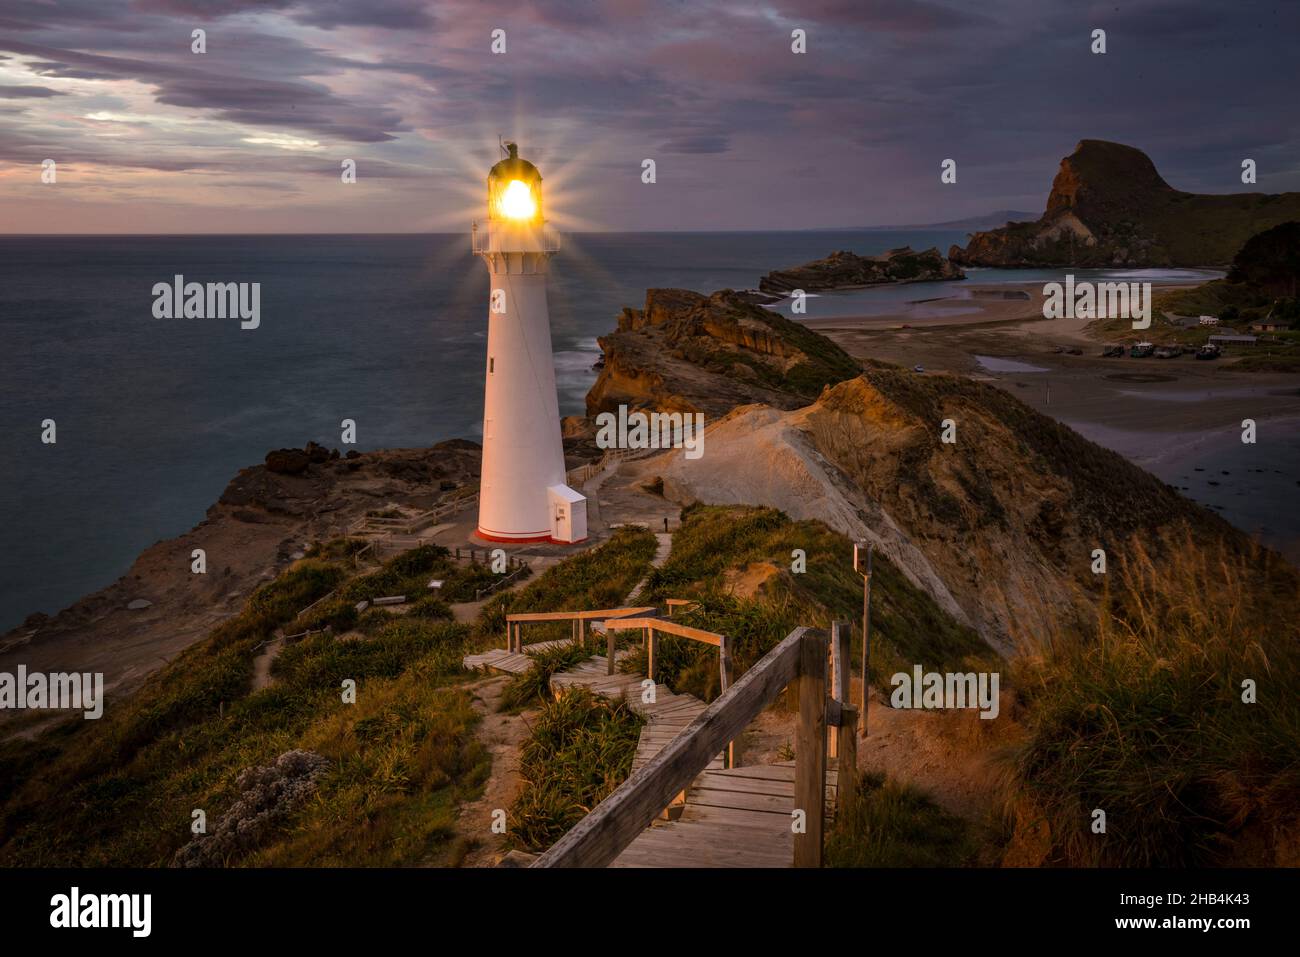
523, 495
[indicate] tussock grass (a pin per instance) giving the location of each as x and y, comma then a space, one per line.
907, 625
579, 751
535, 683
119, 791
895, 825
1143, 716
598, 578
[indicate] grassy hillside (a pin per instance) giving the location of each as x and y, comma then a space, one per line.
721, 545
121, 791
1143, 716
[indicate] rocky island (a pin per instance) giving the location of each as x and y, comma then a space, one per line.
847, 270
687, 352
1110, 207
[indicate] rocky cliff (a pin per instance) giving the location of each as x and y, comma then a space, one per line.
846, 270
1109, 206
687, 352
998, 528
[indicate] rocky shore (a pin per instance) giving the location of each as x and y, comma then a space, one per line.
264, 518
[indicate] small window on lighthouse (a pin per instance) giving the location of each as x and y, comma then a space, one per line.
492, 365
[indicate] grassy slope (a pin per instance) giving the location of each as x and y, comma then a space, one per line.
580, 750
1142, 716
907, 626
895, 825
120, 791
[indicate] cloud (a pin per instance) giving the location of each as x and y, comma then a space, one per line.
22, 92
887, 89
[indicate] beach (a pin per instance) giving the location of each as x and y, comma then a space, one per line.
1180, 419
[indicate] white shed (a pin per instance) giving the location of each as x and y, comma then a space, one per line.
568, 514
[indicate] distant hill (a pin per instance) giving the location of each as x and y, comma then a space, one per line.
999, 217
1110, 207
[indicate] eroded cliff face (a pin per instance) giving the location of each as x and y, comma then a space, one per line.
266, 515
687, 352
999, 527
1109, 206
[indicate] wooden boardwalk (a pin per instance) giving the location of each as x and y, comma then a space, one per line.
733, 817
728, 817
513, 662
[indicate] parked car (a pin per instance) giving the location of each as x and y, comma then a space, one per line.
1142, 350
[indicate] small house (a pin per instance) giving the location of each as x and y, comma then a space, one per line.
1269, 325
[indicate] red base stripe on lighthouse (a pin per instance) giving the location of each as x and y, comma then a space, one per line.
503, 537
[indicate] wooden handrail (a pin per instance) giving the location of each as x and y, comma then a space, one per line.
576, 615
668, 627
515, 623
615, 822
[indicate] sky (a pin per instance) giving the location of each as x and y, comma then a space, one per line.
250, 136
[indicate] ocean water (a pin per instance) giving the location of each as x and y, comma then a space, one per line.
155, 416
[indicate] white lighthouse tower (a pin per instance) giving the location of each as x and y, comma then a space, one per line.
523, 496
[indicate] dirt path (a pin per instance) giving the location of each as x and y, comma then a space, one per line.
262, 664
947, 756
502, 734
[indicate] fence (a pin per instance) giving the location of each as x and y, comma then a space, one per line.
515, 623
653, 627
800, 659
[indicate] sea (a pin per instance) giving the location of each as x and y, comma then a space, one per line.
153, 417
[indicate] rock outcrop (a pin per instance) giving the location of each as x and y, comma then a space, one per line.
261, 520
1109, 206
847, 270
999, 528
687, 352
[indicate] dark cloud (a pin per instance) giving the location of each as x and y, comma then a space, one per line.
697, 143
298, 104
887, 90
22, 92
327, 14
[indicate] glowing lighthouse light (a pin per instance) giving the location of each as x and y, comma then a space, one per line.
523, 495
517, 201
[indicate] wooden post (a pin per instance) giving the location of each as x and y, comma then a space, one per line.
609, 647
847, 734
650, 653
841, 633
810, 749
724, 680
866, 638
